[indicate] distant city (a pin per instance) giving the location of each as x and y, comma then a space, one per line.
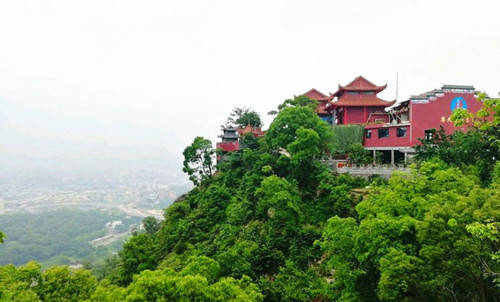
135, 192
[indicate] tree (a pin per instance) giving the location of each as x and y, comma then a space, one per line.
108, 292
489, 233
359, 155
241, 117
283, 130
304, 151
199, 161
412, 240
295, 284
486, 120
60, 283
344, 137
20, 283
138, 254
195, 283
299, 101
151, 224
278, 202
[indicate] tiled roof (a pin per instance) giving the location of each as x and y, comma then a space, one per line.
317, 95
321, 109
322, 98
464, 87
257, 132
361, 100
359, 84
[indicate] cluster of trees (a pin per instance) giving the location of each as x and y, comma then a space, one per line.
195, 282
274, 224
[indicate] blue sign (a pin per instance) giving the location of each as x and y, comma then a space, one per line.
458, 102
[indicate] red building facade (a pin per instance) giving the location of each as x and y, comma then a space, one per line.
390, 127
417, 117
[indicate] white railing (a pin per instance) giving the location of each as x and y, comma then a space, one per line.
341, 167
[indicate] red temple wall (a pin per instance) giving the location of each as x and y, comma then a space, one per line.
391, 141
228, 146
363, 114
423, 116
355, 115
372, 110
436, 113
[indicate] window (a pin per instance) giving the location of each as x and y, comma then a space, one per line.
368, 133
383, 132
368, 92
401, 132
429, 134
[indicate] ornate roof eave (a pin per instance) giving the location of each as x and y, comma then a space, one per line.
351, 87
333, 105
370, 105
323, 97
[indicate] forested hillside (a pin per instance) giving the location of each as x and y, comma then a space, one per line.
274, 224
58, 237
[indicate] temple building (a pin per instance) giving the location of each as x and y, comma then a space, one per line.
354, 103
389, 127
231, 138
358, 103
417, 118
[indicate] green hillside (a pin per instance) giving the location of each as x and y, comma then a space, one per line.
58, 237
274, 224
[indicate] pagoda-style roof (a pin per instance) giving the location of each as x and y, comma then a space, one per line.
317, 95
322, 98
359, 84
361, 100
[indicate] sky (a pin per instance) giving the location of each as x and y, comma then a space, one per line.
97, 81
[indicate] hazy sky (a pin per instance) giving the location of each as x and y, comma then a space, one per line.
140, 79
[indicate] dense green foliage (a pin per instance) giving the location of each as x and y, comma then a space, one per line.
241, 117
345, 136
195, 282
298, 101
199, 160
359, 155
274, 224
412, 240
57, 237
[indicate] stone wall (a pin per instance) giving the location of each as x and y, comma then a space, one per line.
341, 167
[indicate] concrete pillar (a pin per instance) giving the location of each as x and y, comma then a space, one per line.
406, 157
374, 157
392, 157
